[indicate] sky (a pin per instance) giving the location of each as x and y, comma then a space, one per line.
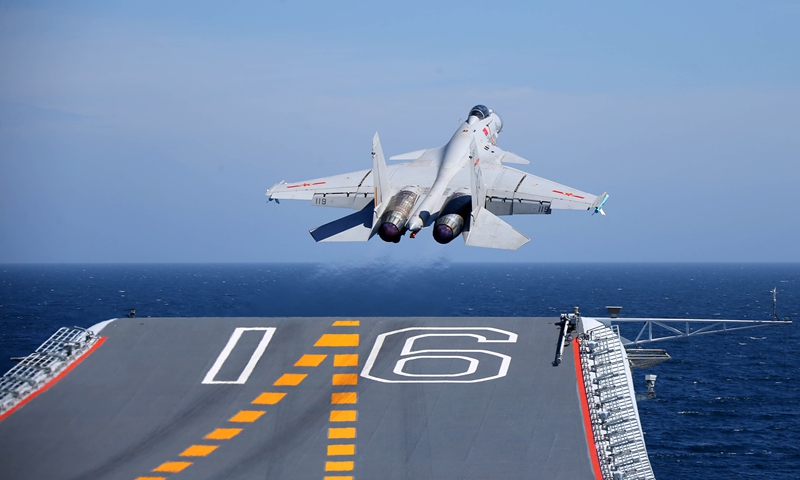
150, 131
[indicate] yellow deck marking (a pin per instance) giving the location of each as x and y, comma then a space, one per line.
223, 434
335, 450
343, 415
268, 398
272, 398
338, 340
345, 360
290, 379
344, 398
310, 360
172, 467
247, 416
348, 432
339, 466
198, 450
345, 379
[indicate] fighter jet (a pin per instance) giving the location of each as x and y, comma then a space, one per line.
459, 188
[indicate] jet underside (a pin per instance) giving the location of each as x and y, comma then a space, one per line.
458, 189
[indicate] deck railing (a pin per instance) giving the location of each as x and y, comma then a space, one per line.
50, 359
615, 423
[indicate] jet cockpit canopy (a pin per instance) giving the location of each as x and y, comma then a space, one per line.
479, 111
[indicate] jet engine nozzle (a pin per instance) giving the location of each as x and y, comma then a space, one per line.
393, 222
447, 228
392, 227
451, 220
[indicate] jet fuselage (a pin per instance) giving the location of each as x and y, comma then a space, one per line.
456, 157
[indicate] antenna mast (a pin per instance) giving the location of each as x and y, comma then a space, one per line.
775, 303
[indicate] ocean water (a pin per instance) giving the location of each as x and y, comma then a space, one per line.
727, 406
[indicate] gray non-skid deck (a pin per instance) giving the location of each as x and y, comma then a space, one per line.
138, 402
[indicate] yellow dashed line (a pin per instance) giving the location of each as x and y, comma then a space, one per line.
290, 379
310, 360
343, 415
198, 450
272, 398
345, 360
172, 467
347, 432
223, 434
336, 450
268, 398
247, 416
338, 340
345, 379
344, 398
339, 466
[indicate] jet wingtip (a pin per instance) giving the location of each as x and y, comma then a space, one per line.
271, 191
598, 208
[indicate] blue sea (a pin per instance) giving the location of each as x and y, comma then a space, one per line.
727, 406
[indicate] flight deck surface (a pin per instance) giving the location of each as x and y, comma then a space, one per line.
309, 398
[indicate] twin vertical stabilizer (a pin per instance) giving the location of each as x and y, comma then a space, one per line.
486, 229
380, 177
360, 226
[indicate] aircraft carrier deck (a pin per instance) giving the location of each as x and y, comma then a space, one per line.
328, 398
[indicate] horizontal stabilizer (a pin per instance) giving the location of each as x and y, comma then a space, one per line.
488, 231
509, 157
409, 156
356, 227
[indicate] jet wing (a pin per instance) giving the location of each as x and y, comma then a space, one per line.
348, 190
356, 189
514, 192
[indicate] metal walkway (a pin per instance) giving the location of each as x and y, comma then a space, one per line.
46, 363
615, 419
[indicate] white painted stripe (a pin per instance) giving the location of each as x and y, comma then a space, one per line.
97, 327
251, 364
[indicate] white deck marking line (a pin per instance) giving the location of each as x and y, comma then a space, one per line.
401, 364
511, 337
251, 364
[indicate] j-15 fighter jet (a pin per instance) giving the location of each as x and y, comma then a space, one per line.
460, 188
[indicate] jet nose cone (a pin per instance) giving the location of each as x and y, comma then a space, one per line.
443, 234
